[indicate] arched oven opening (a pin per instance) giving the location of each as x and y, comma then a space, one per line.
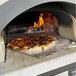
33, 23
54, 19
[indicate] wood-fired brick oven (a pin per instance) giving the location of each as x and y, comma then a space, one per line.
63, 11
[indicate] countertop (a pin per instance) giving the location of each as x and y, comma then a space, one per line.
19, 64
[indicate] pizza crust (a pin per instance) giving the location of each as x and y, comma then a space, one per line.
38, 49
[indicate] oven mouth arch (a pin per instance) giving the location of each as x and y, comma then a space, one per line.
65, 19
9, 13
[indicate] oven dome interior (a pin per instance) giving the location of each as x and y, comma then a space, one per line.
61, 10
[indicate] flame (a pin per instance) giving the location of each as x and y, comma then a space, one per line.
40, 22
47, 24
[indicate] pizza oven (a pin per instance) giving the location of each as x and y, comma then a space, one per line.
54, 18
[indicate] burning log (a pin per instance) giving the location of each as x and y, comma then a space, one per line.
44, 25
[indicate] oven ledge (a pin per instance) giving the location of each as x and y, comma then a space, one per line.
18, 64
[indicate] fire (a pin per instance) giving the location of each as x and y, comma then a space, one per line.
40, 22
46, 23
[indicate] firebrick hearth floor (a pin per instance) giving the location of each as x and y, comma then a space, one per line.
16, 62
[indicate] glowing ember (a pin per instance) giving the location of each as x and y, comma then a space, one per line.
48, 24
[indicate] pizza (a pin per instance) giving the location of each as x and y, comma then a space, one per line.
33, 44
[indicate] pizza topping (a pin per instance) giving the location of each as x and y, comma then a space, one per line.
31, 41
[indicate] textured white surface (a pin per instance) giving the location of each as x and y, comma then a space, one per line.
2, 49
72, 1
63, 74
3, 1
